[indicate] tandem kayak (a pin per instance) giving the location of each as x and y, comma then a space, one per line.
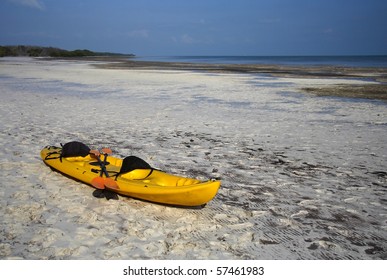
144, 182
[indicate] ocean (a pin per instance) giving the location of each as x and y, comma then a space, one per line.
350, 61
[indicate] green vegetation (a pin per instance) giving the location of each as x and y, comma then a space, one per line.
36, 51
76, 53
7, 51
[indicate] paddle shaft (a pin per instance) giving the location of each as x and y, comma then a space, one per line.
103, 166
107, 182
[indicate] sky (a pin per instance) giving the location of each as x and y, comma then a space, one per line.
199, 27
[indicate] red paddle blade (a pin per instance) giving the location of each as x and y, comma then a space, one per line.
111, 184
106, 151
98, 183
94, 152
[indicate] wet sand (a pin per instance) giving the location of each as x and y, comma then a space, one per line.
376, 90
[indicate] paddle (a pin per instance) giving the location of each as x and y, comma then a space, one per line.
100, 182
109, 182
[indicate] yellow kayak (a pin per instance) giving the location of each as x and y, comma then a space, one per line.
143, 183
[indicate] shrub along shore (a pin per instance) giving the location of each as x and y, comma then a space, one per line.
37, 51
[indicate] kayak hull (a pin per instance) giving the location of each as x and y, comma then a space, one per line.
157, 186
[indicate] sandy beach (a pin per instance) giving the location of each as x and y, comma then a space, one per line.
300, 151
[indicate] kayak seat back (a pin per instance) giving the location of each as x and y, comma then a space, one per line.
74, 149
133, 163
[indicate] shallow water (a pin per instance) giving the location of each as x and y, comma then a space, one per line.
353, 61
302, 177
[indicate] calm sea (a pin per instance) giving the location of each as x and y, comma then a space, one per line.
353, 61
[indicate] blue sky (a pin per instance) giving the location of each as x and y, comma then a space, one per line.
199, 27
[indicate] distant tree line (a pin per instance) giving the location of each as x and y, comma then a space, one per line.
36, 51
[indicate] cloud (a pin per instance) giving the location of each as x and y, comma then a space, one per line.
327, 30
269, 20
186, 39
36, 4
142, 33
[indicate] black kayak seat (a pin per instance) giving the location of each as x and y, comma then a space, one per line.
131, 163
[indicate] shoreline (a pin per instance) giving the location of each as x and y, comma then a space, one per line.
375, 78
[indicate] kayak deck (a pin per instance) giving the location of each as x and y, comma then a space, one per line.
147, 184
